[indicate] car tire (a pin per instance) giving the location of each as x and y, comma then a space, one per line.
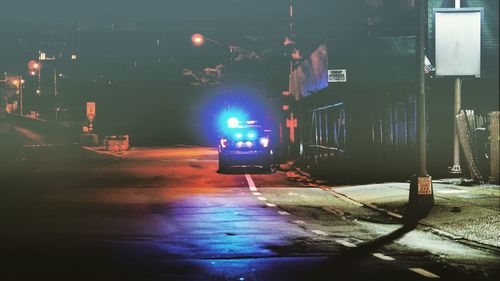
222, 165
267, 167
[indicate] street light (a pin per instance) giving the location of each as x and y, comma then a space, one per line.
198, 39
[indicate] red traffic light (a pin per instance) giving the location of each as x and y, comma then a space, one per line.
197, 39
33, 65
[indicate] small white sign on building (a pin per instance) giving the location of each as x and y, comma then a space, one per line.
458, 41
337, 75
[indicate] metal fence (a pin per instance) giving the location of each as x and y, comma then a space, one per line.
477, 134
495, 147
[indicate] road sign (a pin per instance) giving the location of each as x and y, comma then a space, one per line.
424, 185
292, 124
337, 75
91, 111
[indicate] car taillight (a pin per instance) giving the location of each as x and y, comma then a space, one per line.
264, 141
223, 143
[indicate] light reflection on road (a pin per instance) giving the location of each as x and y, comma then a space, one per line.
213, 226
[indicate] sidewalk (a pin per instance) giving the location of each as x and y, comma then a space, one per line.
464, 212
467, 213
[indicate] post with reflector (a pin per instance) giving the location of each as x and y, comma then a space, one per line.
421, 198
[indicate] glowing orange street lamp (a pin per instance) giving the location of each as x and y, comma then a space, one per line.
197, 39
33, 64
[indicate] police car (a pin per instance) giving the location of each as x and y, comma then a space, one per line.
244, 144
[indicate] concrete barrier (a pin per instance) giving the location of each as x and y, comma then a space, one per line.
116, 143
50, 132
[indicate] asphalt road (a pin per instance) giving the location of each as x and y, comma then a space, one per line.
166, 214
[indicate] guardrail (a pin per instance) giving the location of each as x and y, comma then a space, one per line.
50, 131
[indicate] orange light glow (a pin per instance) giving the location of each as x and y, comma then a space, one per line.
197, 39
33, 64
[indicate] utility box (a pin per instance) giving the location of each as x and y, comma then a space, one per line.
116, 143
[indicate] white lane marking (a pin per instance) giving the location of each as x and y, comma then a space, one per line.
451, 191
262, 198
283, 213
270, 205
382, 257
299, 222
251, 184
257, 193
423, 272
345, 243
319, 232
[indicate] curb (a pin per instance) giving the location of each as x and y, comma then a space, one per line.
107, 153
423, 226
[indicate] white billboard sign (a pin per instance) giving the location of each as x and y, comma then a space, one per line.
458, 41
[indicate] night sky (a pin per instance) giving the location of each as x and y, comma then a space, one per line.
135, 59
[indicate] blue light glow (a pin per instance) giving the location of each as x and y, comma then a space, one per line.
238, 135
251, 135
230, 119
233, 122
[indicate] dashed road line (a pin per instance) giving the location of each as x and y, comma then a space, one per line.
270, 205
257, 193
283, 213
383, 257
423, 272
251, 184
261, 198
299, 222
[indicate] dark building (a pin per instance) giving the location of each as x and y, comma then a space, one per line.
366, 125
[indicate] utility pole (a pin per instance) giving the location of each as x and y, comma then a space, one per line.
56, 106
421, 198
21, 85
458, 104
